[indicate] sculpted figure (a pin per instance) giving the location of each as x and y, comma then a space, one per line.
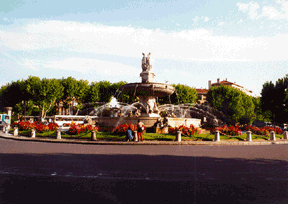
148, 109
215, 122
152, 107
149, 62
144, 62
137, 113
155, 108
120, 114
158, 122
165, 121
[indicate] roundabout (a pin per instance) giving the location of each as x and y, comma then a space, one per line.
101, 142
48, 172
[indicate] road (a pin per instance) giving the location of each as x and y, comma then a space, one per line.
64, 173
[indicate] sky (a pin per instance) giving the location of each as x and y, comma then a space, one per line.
191, 42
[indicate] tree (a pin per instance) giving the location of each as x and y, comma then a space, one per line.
101, 91
236, 105
274, 100
116, 88
70, 88
15, 95
44, 93
249, 107
182, 94
124, 95
105, 94
6, 97
80, 95
93, 93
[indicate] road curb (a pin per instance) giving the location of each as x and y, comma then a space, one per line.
76, 141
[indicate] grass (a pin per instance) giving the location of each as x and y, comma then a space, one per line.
147, 136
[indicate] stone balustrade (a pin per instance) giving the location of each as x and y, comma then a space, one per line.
15, 131
217, 136
178, 136
272, 136
136, 139
6, 130
249, 136
135, 136
33, 133
285, 135
58, 134
93, 135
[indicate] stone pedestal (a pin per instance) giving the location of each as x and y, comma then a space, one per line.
58, 134
285, 135
272, 136
217, 136
147, 76
93, 135
6, 130
15, 132
178, 136
8, 110
249, 137
33, 133
135, 136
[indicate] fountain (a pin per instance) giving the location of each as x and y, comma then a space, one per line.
148, 90
146, 108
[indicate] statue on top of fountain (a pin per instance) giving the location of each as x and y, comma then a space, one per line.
147, 74
147, 62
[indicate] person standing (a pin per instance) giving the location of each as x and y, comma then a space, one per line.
140, 129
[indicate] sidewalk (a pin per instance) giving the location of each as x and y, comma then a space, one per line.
101, 142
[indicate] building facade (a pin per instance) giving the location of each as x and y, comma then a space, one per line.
66, 108
202, 93
228, 83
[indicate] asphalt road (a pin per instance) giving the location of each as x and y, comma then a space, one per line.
38, 172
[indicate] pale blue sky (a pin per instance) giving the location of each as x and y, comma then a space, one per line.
191, 41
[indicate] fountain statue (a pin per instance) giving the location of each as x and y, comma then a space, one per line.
146, 109
148, 90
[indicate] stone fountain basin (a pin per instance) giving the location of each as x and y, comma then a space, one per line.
148, 121
150, 89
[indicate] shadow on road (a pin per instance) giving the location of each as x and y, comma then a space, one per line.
102, 178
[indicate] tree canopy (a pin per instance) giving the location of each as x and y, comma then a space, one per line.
182, 94
274, 100
236, 105
40, 96
44, 93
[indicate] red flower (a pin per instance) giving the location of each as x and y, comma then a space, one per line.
122, 129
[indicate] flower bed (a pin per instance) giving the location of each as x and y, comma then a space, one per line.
75, 129
39, 127
229, 130
122, 129
263, 130
189, 131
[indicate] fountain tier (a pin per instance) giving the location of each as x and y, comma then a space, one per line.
146, 108
150, 89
